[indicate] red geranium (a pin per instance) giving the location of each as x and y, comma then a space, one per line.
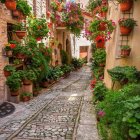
48, 14
93, 83
100, 39
12, 46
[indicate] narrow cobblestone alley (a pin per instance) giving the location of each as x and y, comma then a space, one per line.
55, 115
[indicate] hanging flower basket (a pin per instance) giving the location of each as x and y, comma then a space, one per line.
10, 4
100, 41
126, 5
103, 14
102, 26
125, 30
126, 25
125, 53
21, 34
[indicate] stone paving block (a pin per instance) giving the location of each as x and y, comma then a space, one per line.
87, 132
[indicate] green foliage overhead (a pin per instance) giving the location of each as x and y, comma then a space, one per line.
24, 7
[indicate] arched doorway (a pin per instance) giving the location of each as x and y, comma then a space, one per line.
68, 49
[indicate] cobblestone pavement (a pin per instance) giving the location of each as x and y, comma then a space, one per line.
53, 115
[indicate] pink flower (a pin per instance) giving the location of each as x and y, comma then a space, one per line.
101, 113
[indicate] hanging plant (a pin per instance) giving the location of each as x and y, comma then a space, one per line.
9, 48
126, 25
102, 28
38, 28
103, 12
73, 18
23, 7
125, 51
57, 6
10, 4
100, 41
125, 5
94, 6
20, 30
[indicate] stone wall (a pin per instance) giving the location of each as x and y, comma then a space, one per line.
113, 46
5, 17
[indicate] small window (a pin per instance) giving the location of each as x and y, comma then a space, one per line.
9, 31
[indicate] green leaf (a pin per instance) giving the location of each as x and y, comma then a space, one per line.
132, 133
137, 115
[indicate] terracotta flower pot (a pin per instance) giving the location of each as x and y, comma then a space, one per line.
20, 56
125, 53
7, 73
103, 14
45, 84
125, 30
59, 8
27, 82
124, 81
102, 64
22, 16
9, 53
35, 93
10, 4
16, 13
100, 44
126, 6
21, 34
26, 98
14, 93
102, 26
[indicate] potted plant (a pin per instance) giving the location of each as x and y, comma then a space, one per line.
102, 25
73, 18
14, 83
26, 96
10, 4
124, 74
126, 25
23, 8
20, 30
125, 5
54, 5
38, 28
28, 77
125, 51
100, 41
94, 6
99, 57
9, 48
104, 10
36, 91
19, 52
8, 70
66, 70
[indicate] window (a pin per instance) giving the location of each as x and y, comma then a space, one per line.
9, 31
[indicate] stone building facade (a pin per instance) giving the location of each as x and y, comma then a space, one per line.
133, 40
39, 9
